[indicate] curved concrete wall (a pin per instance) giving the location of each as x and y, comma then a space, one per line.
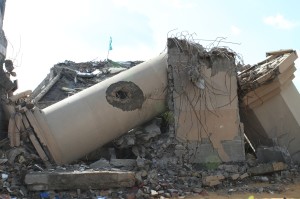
83, 122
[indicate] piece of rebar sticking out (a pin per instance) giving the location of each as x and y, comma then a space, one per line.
9, 66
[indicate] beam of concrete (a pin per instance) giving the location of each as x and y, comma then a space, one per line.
86, 121
38, 181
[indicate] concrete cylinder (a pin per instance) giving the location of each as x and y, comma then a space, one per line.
95, 116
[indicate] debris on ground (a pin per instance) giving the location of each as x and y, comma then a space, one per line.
179, 136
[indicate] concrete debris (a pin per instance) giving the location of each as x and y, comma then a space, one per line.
267, 168
128, 163
269, 107
212, 180
38, 181
245, 175
235, 176
100, 164
127, 136
202, 97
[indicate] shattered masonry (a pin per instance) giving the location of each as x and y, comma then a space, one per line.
203, 99
270, 107
79, 110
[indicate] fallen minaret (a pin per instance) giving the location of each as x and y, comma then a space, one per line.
270, 107
77, 125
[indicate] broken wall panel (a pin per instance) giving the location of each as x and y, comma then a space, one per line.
205, 103
270, 111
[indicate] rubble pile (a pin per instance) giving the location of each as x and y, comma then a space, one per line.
269, 107
187, 138
67, 78
156, 173
263, 72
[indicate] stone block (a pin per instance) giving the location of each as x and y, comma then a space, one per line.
37, 181
235, 176
100, 164
123, 162
267, 168
245, 175
212, 183
212, 180
215, 177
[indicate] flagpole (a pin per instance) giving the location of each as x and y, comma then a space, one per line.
109, 47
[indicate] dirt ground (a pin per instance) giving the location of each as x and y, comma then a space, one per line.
291, 191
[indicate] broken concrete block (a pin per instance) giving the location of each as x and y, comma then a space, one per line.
206, 122
215, 177
140, 162
212, 180
267, 168
245, 175
150, 131
271, 154
229, 168
270, 110
37, 181
100, 164
154, 193
197, 190
212, 183
123, 162
279, 166
235, 176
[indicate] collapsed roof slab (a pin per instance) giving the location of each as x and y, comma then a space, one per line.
271, 113
203, 95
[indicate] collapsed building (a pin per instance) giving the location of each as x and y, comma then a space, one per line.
187, 106
202, 100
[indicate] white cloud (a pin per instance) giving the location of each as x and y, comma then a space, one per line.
235, 30
280, 22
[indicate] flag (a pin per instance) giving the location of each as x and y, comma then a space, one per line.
110, 44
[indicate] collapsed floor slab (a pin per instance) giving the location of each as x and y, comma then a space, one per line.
270, 109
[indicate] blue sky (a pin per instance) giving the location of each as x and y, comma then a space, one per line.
42, 33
